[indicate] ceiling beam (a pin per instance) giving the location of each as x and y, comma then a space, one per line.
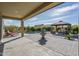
8, 17
37, 9
43, 7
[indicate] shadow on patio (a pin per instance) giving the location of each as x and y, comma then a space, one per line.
1, 49
42, 41
3, 44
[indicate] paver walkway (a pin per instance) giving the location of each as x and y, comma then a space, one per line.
29, 46
57, 44
26, 47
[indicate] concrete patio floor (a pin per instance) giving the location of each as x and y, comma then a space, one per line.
26, 47
57, 44
29, 46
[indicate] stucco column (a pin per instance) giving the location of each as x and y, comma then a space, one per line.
1, 27
56, 28
22, 28
62, 29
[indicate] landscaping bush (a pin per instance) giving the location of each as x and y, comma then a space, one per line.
11, 28
68, 36
32, 29
38, 29
48, 28
74, 29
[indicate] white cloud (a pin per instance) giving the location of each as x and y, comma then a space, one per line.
68, 8
56, 19
60, 18
53, 20
63, 10
11, 22
32, 19
50, 21
29, 21
8, 22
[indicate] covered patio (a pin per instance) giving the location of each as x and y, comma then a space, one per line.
26, 44
61, 27
29, 46
22, 11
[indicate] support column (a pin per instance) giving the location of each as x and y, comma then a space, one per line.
51, 29
1, 27
56, 28
62, 29
22, 28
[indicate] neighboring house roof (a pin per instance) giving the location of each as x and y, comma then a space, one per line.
61, 23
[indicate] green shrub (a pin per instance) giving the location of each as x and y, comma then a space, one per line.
74, 30
68, 36
48, 28
11, 28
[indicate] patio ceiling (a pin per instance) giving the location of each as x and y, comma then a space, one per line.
24, 10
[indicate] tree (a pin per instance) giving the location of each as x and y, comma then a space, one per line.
11, 28
75, 29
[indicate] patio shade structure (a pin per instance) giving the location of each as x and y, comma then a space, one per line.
62, 24
23, 11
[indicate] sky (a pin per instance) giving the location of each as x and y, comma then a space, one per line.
67, 12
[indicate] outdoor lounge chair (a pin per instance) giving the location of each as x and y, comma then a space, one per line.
10, 34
